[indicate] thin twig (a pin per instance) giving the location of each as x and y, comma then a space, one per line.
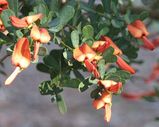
66, 46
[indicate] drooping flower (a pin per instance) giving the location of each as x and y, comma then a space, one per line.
110, 85
26, 21
3, 5
137, 96
154, 75
21, 58
85, 54
105, 101
155, 42
139, 31
123, 65
40, 36
120, 62
117, 51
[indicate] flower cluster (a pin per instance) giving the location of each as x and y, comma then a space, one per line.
90, 57
21, 56
3, 6
139, 31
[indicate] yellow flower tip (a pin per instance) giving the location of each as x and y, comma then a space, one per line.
108, 113
11, 78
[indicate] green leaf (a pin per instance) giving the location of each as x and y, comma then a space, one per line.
65, 15
117, 75
43, 68
67, 54
117, 23
5, 38
71, 83
88, 32
45, 88
6, 21
19, 34
101, 67
42, 8
84, 85
75, 38
95, 93
50, 87
108, 55
61, 104
123, 74
103, 31
13, 5
54, 6
144, 15
106, 5
51, 62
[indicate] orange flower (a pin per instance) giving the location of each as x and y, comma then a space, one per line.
39, 35
137, 96
155, 42
154, 74
110, 85
120, 62
85, 54
123, 65
20, 58
138, 30
26, 21
117, 51
104, 101
2, 28
3, 5
100, 46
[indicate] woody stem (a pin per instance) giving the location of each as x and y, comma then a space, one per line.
13, 76
66, 46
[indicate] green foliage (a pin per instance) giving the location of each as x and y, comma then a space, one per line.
108, 56
6, 21
64, 16
14, 6
117, 75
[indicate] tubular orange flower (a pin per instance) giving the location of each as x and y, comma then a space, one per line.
26, 21
20, 58
155, 42
137, 96
85, 54
117, 51
3, 5
154, 74
120, 62
138, 30
39, 35
104, 101
110, 85
123, 65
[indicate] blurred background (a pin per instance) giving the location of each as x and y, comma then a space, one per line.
21, 104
